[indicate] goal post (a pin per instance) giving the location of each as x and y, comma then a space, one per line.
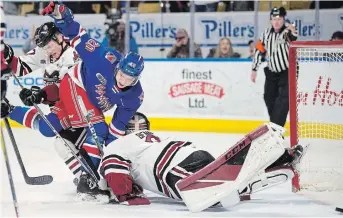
316, 112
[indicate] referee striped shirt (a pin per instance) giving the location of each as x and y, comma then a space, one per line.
274, 46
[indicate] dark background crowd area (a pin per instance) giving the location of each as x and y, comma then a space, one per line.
89, 7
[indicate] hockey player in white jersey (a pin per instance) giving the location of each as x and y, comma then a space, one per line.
179, 170
52, 54
52, 57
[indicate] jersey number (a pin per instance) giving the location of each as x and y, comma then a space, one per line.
152, 138
91, 44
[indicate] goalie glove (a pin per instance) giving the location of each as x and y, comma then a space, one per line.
59, 12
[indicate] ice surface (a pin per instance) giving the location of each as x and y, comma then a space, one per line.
58, 198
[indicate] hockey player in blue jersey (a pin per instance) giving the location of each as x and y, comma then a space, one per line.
103, 79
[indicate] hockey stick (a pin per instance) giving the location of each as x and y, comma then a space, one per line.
39, 180
338, 209
95, 137
90, 124
9, 172
82, 162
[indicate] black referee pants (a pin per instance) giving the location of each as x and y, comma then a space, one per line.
276, 96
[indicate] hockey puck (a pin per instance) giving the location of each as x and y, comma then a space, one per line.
339, 209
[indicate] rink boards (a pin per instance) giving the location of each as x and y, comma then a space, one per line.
209, 95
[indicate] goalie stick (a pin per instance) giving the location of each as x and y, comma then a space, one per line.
338, 209
10, 177
81, 160
38, 180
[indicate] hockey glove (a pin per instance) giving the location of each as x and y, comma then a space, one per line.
35, 95
6, 109
5, 72
136, 197
59, 12
3, 85
8, 53
5, 69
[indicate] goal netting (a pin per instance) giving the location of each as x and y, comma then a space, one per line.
316, 112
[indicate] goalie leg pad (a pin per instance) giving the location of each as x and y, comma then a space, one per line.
270, 178
233, 169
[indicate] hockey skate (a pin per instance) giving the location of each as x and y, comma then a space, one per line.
87, 190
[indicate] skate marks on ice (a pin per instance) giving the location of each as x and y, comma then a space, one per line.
59, 199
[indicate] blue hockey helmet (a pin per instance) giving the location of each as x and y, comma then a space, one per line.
132, 64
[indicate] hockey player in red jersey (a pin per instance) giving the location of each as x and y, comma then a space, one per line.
179, 170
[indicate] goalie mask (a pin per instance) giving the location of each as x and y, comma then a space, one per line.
138, 122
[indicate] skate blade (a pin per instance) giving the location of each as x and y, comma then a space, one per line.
84, 197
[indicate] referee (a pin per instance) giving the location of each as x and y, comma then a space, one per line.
273, 44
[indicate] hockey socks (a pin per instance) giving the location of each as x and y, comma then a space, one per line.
93, 153
91, 148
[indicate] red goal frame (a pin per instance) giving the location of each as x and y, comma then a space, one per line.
292, 77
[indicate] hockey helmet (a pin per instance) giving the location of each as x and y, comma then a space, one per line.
278, 12
138, 122
132, 64
45, 33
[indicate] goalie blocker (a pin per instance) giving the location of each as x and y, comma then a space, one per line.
178, 170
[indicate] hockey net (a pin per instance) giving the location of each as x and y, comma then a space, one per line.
316, 113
